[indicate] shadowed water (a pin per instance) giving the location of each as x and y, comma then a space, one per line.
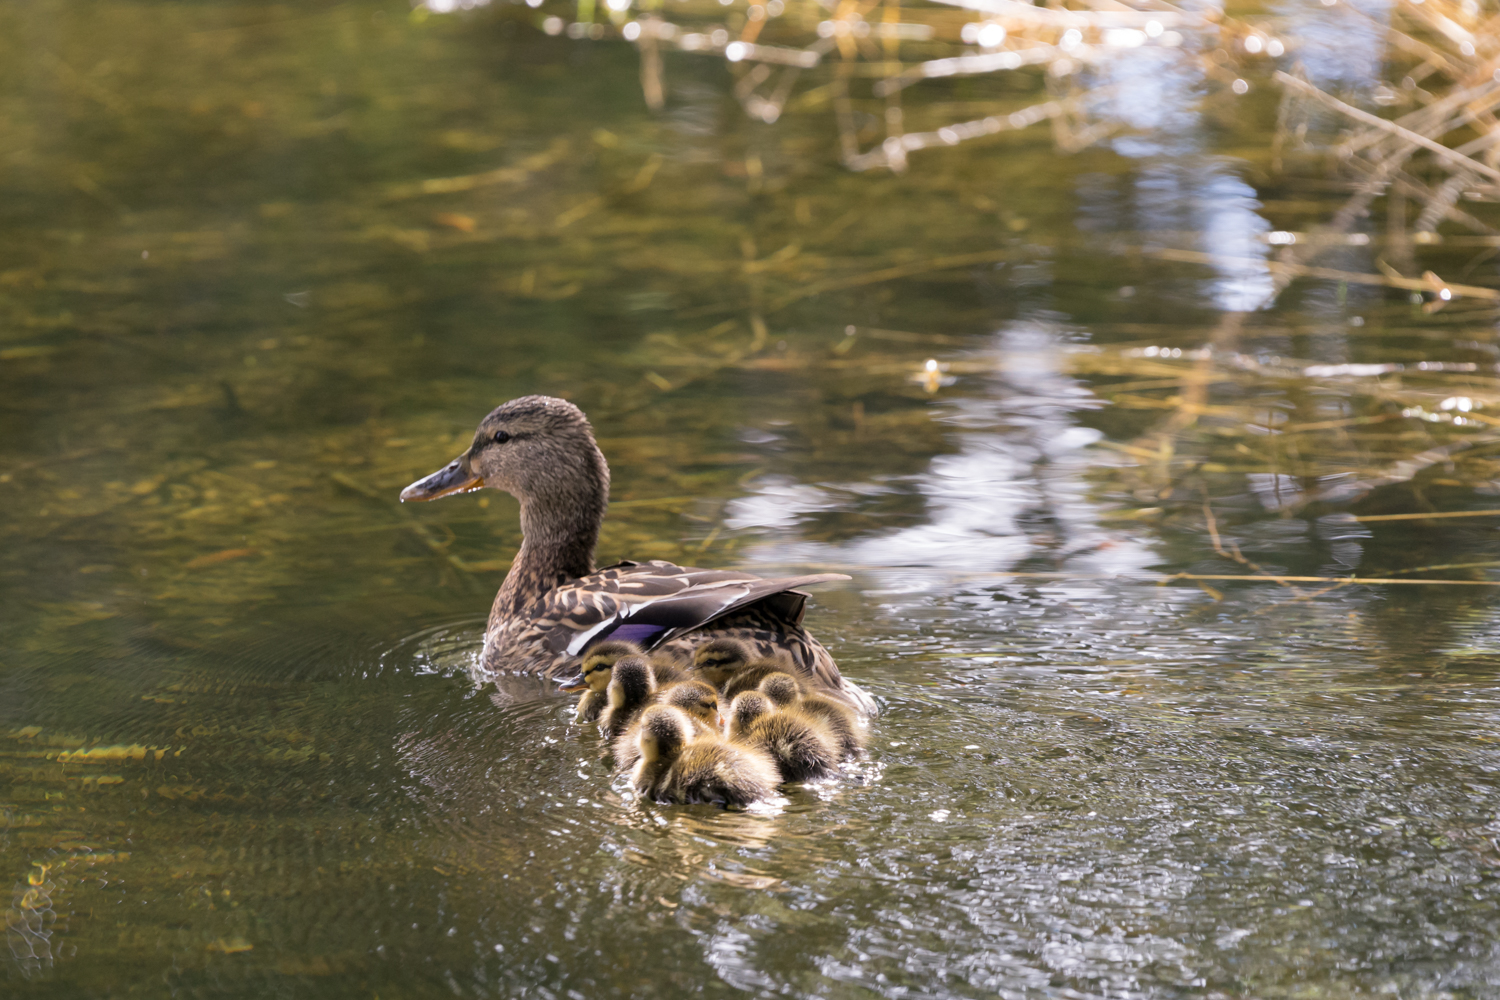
241, 752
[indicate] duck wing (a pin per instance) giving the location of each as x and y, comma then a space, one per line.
651, 603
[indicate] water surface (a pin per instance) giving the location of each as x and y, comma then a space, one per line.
241, 748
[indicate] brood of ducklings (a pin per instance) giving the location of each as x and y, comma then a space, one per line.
801, 745
595, 672
674, 767
727, 664
785, 691
632, 685
695, 699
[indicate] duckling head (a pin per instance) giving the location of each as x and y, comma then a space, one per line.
663, 733
532, 447
696, 699
720, 659
745, 709
631, 682
599, 664
781, 688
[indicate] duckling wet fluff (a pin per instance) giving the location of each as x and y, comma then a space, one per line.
631, 687
675, 768
801, 746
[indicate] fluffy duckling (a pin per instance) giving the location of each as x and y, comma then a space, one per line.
728, 665
673, 767
594, 677
801, 745
719, 659
695, 699
784, 690
632, 685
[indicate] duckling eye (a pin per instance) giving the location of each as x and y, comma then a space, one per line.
502, 436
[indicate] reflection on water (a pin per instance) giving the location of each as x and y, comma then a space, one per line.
265, 269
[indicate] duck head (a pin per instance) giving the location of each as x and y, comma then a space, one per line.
599, 665
535, 446
720, 659
662, 735
781, 688
745, 709
698, 701
631, 682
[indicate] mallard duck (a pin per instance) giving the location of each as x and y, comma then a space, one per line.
596, 669
801, 745
694, 699
785, 691
631, 688
674, 767
554, 605
730, 666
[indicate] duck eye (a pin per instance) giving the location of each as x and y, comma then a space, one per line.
502, 436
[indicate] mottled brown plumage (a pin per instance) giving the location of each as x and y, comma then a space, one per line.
554, 605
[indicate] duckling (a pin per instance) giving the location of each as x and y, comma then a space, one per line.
728, 666
593, 679
781, 687
631, 688
719, 659
801, 745
785, 690
675, 768
695, 699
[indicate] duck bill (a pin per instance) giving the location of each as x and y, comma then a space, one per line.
455, 477
574, 684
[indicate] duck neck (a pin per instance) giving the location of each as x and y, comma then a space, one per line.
556, 546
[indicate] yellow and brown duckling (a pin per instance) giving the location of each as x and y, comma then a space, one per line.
595, 672
801, 746
632, 686
728, 665
695, 699
675, 767
785, 691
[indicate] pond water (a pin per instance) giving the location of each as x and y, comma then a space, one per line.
265, 265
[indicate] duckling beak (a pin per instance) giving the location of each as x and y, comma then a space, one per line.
455, 477
574, 684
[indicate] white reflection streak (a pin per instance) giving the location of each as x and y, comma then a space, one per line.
1021, 454
1155, 93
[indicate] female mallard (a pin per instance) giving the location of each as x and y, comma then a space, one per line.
554, 605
